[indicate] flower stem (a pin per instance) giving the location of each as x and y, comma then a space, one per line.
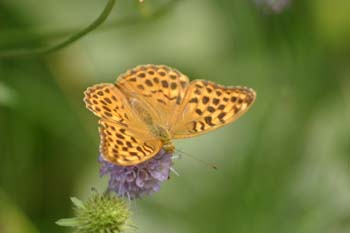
31, 52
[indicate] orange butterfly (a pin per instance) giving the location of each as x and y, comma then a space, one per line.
150, 105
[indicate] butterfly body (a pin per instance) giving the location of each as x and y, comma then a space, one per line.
169, 147
157, 131
151, 105
143, 112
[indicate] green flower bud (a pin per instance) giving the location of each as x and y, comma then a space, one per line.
99, 214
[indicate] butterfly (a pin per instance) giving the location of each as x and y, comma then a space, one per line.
150, 105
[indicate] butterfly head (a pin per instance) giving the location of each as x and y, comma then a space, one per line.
168, 147
164, 136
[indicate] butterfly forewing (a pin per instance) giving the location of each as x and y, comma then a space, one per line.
161, 88
125, 139
208, 106
106, 101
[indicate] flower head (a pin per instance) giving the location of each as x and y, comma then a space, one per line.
139, 180
275, 6
99, 214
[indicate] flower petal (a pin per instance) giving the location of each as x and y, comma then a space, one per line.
139, 180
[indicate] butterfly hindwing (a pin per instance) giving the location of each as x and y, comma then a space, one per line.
125, 147
125, 139
208, 106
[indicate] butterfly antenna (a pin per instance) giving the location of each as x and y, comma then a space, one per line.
198, 159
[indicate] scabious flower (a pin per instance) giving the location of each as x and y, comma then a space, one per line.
99, 214
275, 6
139, 180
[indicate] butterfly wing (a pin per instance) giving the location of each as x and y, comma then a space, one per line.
124, 137
106, 101
208, 106
124, 146
161, 90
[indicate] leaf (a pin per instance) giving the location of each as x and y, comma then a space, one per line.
68, 222
78, 203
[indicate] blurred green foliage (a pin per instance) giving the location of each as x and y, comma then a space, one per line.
283, 167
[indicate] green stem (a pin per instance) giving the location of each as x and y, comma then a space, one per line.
20, 36
30, 52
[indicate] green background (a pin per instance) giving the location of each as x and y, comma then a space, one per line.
283, 167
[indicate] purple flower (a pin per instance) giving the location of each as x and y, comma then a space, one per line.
139, 180
276, 6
